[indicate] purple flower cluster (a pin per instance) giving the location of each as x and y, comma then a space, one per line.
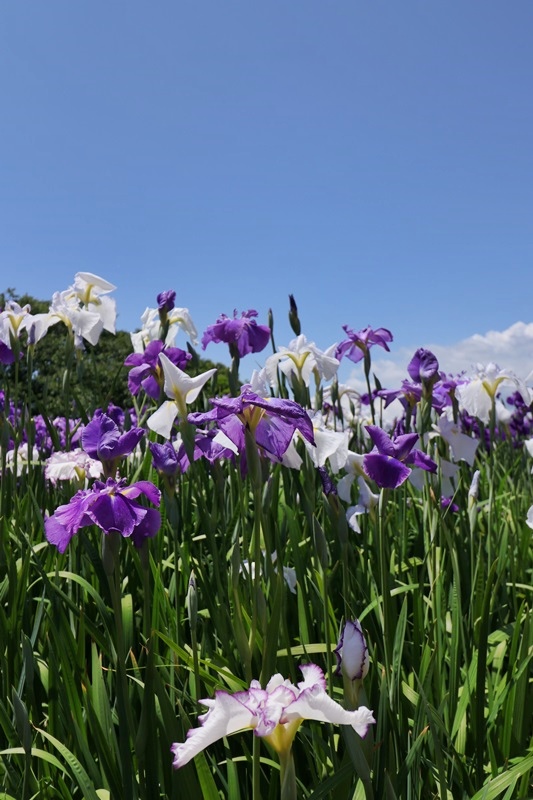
113, 505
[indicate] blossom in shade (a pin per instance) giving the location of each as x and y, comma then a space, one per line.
529, 518
352, 652
72, 465
446, 503
357, 345
274, 713
146, 371
367, 501
6, 353
331, 446
164, 458
243, 333
102, 440
462, 446
271, 420
387, 463
181, 389
112, 506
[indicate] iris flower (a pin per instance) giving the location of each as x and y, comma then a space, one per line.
181, 389
352, 652
357, 345
301, 358
387, 463
244, 333
177, 319
271, 420
274, 713
423, 367
102, 440
73, 465
146, 372
112, 506
477, 395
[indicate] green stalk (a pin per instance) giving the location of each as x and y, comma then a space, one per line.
287, 775
125, 720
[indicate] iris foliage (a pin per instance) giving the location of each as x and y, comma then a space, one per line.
261, 557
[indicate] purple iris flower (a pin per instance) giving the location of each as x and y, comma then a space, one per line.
244, 333
423, 366
102, 440
164, 458
6, 354
147, 373
165, 300
447, 503
168, 460
272, 421
360, 342
112, 506
387, 463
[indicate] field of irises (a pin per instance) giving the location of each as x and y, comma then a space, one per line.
291, 590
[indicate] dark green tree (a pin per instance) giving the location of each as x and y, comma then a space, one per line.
97, 376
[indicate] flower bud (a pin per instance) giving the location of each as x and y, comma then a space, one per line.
352, 652
293, 316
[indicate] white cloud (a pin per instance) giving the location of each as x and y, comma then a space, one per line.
511, 349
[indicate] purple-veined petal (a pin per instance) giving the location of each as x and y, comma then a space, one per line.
226, 715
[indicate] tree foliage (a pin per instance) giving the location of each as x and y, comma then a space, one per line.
99, 377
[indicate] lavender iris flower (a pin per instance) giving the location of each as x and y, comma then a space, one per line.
271, 420
146, 372
387, 463
112, 506
244, 333
360, 342
102, 440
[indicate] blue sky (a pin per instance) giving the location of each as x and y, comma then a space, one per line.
374, 159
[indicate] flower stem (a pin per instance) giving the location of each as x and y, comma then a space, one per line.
287, 775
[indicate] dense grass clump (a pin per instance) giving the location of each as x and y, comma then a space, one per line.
270, 539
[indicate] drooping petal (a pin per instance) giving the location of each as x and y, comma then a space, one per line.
318, 705
162, 420
381, 440
226, 715
387, 472
147, 527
